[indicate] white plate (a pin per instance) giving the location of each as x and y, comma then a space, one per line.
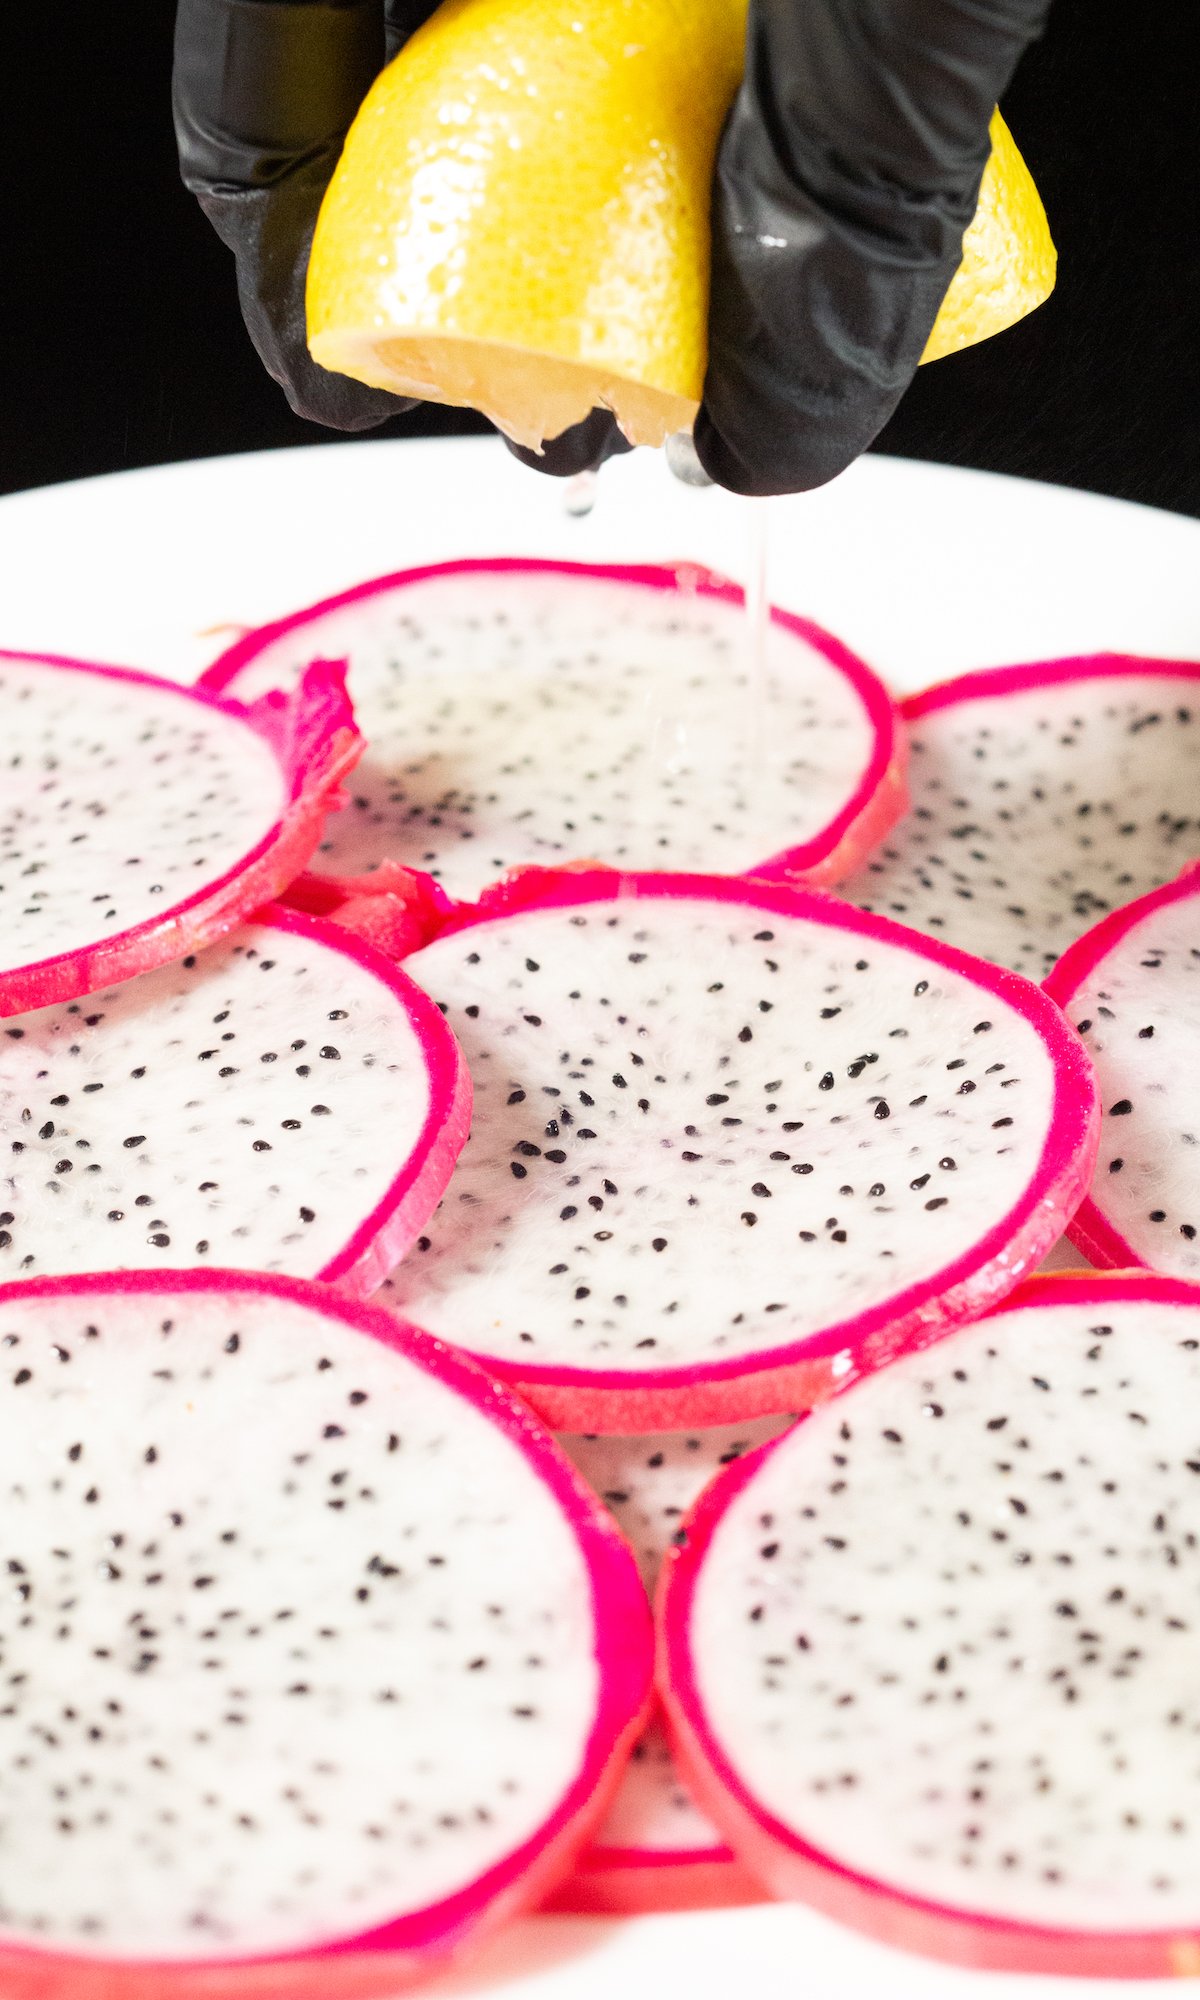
926, 571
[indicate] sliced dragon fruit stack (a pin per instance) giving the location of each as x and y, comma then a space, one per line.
520, 711
732, 1141
141, 820
1131, 987
656, 1850
285, 1101
1043, 797
288, 1708
930, 1657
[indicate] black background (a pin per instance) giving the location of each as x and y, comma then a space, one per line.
121, 345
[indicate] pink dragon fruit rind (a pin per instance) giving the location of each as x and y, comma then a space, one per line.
794, 1377
986, 682
392, 1226
1089, 1229
414, 1944
878, 800
398, 909
315, 740
635, 1881
791, 1867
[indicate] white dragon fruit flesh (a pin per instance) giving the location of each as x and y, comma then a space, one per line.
288, 1709
655, 1849
1131, 987
731, 1141
930, 1658
1042, 797
140, 820
284, 1100
520, 711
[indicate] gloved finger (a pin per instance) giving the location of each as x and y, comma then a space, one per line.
848, 172
402, 18
264, 93
270, 232
583, 448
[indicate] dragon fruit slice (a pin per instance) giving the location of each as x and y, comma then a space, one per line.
656, 1850
1043, 796
732, 1140
521, 711
140, 820
285, 1100
1132, 989
930, 1657
288, 1708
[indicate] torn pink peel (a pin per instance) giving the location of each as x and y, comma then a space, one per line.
393, 1663
142, 820
852, 1085
1043, 797
655, 1850
1130, 988
287, 1098
963, 1651
531, 712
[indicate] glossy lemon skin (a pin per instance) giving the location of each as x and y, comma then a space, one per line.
533, 175
519, 222
1008, 261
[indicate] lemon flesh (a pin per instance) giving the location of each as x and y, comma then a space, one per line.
519, 222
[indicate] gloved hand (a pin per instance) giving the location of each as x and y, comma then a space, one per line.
265, 92
847, 174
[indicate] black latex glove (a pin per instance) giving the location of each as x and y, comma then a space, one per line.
265, 92
847, 174
848, 171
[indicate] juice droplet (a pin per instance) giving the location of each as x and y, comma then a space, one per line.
683, 461
580, 496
